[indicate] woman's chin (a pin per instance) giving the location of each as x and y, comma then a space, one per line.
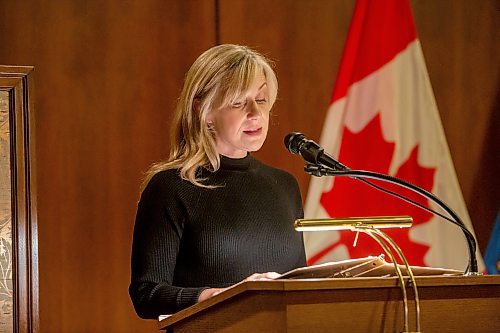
254, 147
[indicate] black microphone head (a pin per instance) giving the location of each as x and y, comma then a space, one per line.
293, 141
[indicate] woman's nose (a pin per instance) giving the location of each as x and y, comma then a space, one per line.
253, 110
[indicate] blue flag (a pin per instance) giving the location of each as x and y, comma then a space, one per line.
492, 255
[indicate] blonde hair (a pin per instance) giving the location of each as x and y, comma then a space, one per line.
215, 80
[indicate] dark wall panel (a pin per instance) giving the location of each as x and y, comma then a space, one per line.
460, 41
107, 77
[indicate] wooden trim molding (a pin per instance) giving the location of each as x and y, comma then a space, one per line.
17, 81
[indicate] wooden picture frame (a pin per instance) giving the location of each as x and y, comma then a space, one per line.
16, 99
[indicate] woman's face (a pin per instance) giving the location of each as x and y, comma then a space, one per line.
242, 127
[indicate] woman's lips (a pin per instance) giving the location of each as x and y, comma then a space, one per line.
254, 132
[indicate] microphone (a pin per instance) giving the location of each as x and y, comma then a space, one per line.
297, 143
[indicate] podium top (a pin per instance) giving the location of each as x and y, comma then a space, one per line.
279, 286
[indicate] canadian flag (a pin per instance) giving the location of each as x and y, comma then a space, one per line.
383, 117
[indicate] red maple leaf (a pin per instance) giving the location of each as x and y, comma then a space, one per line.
367, 150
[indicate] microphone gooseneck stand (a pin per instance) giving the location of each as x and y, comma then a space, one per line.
319, 170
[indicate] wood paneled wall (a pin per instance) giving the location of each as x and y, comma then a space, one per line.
107, 76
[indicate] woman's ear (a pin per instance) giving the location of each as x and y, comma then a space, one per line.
196, 104
210, 121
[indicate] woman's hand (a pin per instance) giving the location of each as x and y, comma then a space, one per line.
211, 292
262, 276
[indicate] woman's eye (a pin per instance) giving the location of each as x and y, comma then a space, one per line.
238, 105
261, 101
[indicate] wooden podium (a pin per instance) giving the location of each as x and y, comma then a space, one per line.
447, 304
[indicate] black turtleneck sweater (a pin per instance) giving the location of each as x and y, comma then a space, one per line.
188, 238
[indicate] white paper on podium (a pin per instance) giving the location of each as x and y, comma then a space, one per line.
362, 267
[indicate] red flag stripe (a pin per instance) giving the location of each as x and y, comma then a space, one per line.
394, 20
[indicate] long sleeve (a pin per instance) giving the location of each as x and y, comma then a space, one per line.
157, 236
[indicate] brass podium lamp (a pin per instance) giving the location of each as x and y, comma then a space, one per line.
371, 226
